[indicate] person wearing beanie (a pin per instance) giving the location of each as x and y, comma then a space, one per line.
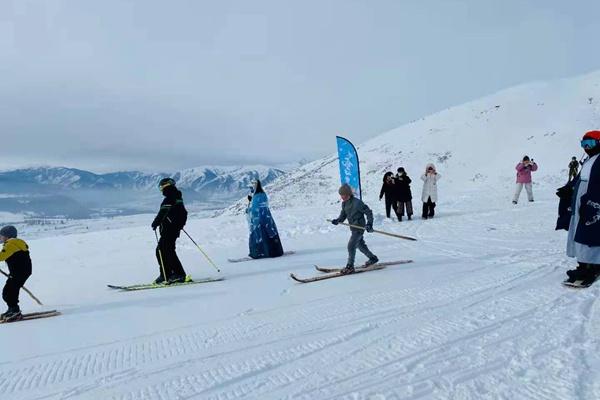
583, 241
429, 196
170, 220
354, 210
573, 168
524, 170
15, 253
403, 194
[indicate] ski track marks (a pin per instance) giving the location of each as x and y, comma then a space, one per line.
486, 325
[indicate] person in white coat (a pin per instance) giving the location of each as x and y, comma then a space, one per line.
430, 193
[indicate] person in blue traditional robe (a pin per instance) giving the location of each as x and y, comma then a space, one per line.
264, 239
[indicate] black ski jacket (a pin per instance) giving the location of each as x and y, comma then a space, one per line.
172, 216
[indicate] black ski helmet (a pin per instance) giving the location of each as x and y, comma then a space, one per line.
164, 182
9, 231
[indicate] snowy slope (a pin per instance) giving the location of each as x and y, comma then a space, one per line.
474, 146
480, 314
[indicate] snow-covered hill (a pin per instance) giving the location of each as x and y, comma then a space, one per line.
474, 146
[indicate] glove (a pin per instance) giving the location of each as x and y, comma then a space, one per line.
335, 221
154, 226
369, 228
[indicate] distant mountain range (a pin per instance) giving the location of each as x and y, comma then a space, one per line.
70, 192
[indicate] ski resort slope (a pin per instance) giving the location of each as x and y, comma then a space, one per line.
480, 314
474, 145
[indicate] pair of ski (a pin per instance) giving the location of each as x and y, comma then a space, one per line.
147, 286
330, 273
35, 315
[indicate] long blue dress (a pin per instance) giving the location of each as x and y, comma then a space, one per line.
264, 238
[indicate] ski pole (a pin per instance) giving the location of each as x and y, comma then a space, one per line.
202, 251
380, 232
25, 289
160, 257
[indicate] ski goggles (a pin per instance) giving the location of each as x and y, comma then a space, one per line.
589, 143
164, 185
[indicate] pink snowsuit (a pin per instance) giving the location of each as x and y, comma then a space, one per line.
524, 174
524, 180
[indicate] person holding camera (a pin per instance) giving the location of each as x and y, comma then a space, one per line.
403, 194
429, 195
524, 170
389, 190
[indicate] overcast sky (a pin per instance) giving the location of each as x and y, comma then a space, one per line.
163, 85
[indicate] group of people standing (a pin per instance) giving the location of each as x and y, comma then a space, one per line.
398, 196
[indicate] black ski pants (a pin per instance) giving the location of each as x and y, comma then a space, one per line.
428, 209
405, 204
166, 249
389, 205
10, 293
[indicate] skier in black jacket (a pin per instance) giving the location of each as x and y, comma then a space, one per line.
170, 220
16, 254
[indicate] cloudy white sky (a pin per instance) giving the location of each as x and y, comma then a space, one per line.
156, 84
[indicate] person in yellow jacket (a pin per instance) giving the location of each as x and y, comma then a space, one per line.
16, 254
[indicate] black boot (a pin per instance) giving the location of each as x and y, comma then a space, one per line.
372, 261
12, 314
348, 269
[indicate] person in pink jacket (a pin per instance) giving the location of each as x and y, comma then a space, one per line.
524, 170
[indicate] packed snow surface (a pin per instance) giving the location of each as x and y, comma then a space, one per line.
480, 314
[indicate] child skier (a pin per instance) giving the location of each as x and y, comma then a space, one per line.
583, 242
354, 210
16, 254
170, 220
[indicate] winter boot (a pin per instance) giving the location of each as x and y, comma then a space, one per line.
12, 314
400, 218
348, 269
177, 279
160, 280
590, 275
410, 217
372, 261
577, 274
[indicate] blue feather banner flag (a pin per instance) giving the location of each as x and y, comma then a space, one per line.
349, 166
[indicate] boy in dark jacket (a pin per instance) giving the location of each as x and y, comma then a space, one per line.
16, 254
170, 220
354, 210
